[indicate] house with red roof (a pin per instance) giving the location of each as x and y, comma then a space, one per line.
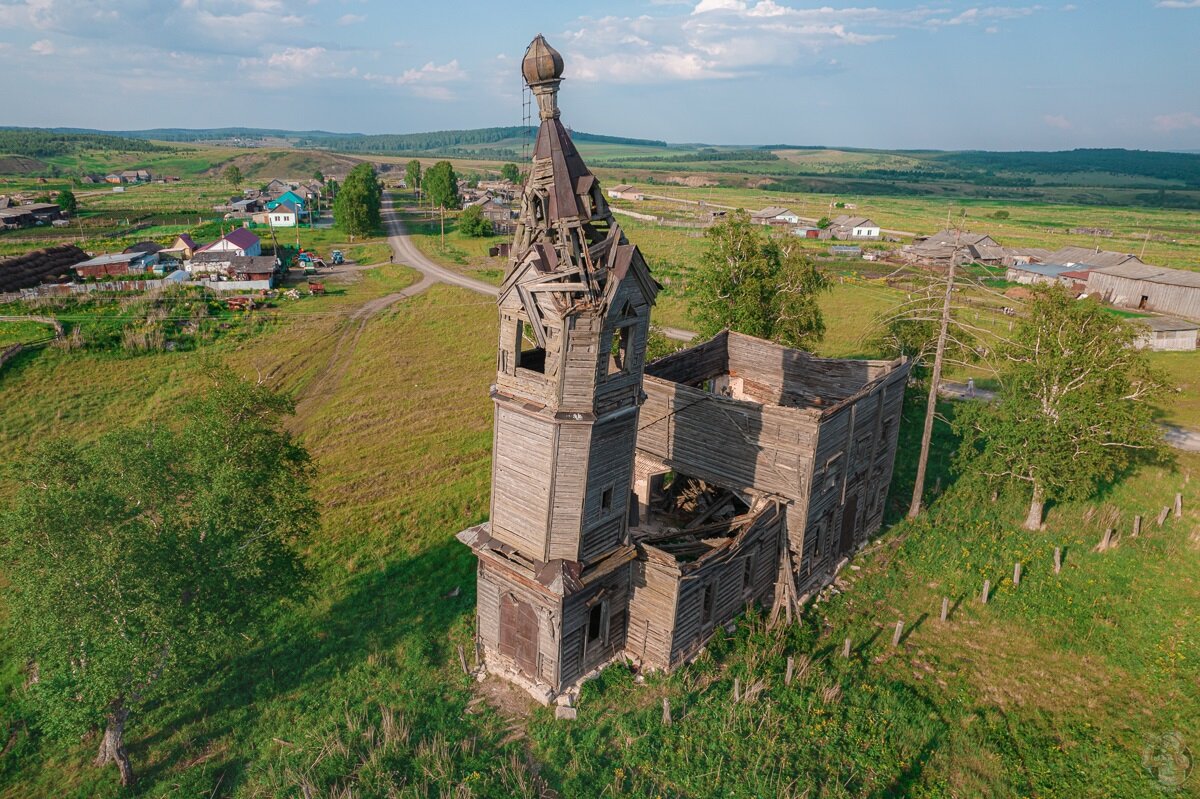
239, 241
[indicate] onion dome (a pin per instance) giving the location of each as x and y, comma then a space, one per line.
542, 62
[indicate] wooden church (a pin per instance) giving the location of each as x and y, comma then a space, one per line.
609, 534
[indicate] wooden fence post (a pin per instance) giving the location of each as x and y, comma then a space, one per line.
787, 677
1017, 575
1057, 559
737, 689
1178, 505
1137, 526
945, 607
1106, 542
899, 631
666, 711
1162, 516
846, 648
987, 587
462, 660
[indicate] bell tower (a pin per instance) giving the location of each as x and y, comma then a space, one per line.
574, 315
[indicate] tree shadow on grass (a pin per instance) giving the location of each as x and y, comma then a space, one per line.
942, 448
399, 618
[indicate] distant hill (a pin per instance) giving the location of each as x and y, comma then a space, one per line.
499, 142
37, 143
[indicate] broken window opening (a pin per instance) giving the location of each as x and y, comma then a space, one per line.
708, 605
618, 361
595, 623
606, 498
748, 575
529, 355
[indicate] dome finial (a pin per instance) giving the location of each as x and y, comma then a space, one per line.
542, 69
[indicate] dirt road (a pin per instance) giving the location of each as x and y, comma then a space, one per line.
326, 382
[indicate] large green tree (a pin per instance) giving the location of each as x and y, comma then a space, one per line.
135, 561
1074, 406
67, 201
511, 173
472, 222
357, 206
234, 175
754, 284
412, 174
441, 185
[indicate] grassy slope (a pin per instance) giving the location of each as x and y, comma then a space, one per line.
360, 686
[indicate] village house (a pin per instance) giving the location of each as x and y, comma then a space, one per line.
275, 188
182, 248
774, 215
852, 227
284, 214
966, 247
238, 241
636, 508
116, 264
1141, 287
624, 191
1029, 274
230, 266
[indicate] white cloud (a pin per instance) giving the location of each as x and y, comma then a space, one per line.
1058, 121
733, 38
351, 19
1178, 4
288, 67
1169, 123
42, 47
428, 81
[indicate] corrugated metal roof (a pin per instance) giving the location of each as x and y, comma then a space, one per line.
1153, 274
1166, 324
1049, 270
1096, 258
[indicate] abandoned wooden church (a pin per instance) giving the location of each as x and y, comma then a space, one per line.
637, 507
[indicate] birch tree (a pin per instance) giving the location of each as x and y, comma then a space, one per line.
1074, 408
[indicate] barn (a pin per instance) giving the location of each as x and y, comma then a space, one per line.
1148, 288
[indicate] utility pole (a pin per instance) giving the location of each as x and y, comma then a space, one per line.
443, 210
931, 403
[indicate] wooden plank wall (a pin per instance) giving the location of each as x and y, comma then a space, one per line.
793, 373
695, 364
522, 465
725, 572
854, 458
570, 484
613, 590
733, 443
653, 593
610, 468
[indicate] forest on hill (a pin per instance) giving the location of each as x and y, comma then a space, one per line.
36, 143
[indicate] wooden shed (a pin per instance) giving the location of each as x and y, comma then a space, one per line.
1166, 334
1148, 288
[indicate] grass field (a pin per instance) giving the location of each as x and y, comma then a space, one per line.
1058, 687
1052, 689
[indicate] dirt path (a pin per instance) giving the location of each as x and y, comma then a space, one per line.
328, 378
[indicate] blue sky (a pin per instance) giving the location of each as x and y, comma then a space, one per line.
893, 74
